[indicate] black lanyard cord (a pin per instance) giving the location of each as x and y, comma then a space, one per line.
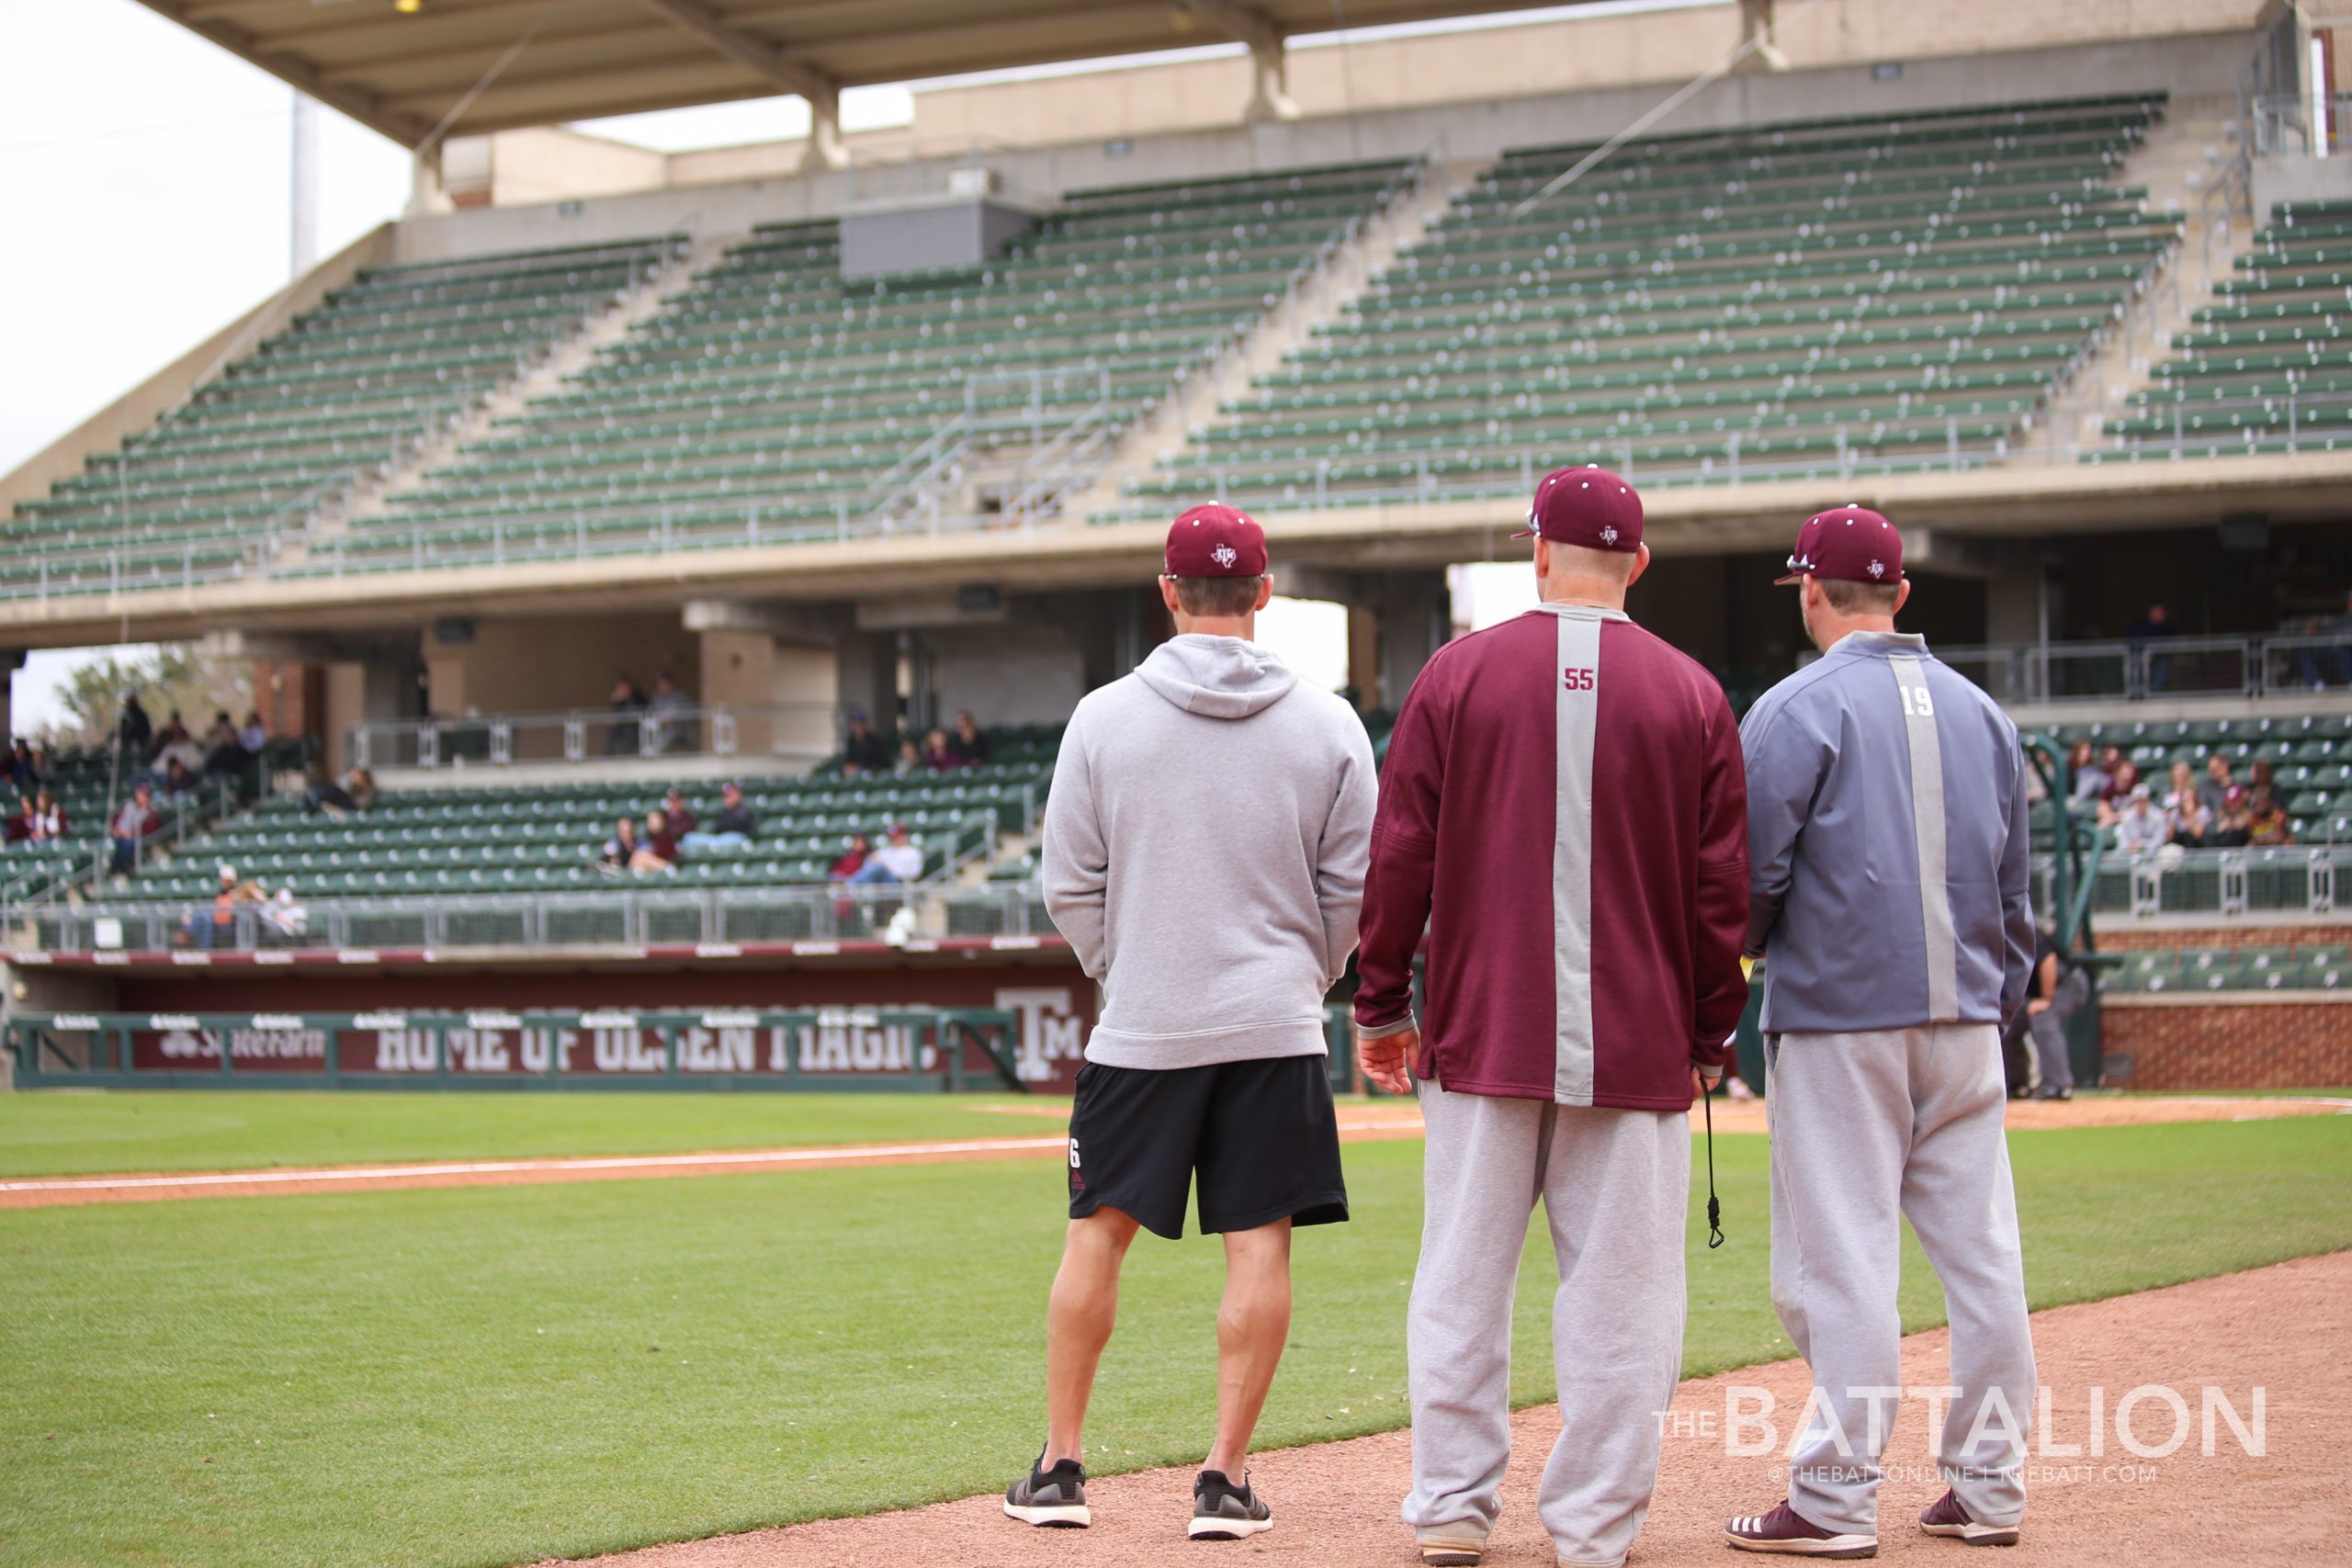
1714, 1204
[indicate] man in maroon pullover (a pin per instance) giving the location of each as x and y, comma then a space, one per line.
1568, 997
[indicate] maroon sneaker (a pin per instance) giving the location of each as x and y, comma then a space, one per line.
1783, 1529
1945, 1516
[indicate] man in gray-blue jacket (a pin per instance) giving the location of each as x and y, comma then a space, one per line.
1887, 854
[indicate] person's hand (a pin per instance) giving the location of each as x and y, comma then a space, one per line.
1383, 1060
1705, 1077
2036, 1005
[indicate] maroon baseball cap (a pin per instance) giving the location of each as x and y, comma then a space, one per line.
1588, 506
1216, 541
1849, 544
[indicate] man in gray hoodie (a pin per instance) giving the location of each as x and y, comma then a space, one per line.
1205, 850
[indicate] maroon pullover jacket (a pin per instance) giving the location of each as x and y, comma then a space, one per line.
1564, 808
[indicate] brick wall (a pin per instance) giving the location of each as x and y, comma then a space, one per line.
2180, 1042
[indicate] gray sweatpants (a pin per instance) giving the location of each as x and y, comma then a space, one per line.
2048, 1033
1868, 1129
1615, 1186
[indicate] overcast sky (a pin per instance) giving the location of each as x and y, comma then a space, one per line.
146, 173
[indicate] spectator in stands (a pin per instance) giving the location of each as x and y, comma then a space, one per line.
134, 732
2139, 826
254, 734
179, 779
23, 770
862, 749
334, 796
2120, 786
938, 757
179, 747
224, 753
733, 828
683, 820
2265, 819
2260, 775
621, 848
18, 826
658, 850
623, 738
2089, 779
48, 819
2186, 815
284, 921
2231, 829
970, 745
217, 927
136, 820
44, 764
2214, 787
665, 711
853, 859
909, 758
2154, 627
900, 860
175, 730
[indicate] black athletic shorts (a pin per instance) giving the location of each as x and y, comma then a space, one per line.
1261, 1134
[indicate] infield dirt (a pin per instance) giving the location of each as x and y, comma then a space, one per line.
2284, 1329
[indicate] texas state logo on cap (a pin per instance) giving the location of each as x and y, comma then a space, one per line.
1849, 544
1216, 541
1588, 506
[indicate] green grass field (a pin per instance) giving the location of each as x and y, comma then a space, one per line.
73, 1134
489, 1375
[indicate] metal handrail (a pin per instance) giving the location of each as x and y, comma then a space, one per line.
2278, 664
692, 730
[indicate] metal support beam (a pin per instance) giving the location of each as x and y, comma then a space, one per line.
706, 23
1270, 97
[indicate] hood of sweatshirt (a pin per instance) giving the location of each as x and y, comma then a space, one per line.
1222, 677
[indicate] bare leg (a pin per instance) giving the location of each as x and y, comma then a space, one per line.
1252, 1325
1078, 1319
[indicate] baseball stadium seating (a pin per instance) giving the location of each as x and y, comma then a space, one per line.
214, 487
2318, 967
1841, 295
2268, 367
775, 399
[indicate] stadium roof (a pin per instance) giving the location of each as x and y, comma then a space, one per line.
406, 73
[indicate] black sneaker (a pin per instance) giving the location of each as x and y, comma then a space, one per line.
1056, 1497
1222, 1511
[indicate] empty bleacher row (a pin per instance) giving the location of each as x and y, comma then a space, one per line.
1843, 295
775, 399
2267, 367
2324, 966
211, 488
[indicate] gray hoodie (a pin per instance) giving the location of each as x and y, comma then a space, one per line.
1205, 844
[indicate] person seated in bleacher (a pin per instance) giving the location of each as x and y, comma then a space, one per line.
683, 820
909, 758
2214, 787
223, 752
48, 822
284, 921
356, 792
938, 757
664, 712
2122, 781
2140, 828
853, 859
179, 777
174, 732
254, 734
217, 928
2265, 819
623, 739
184, 754
900, 860
733, 828
970, 745
24, 768
2186, 817
658, 850
620, 848
2231, 829
136, 820
862, 749
2088, 771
